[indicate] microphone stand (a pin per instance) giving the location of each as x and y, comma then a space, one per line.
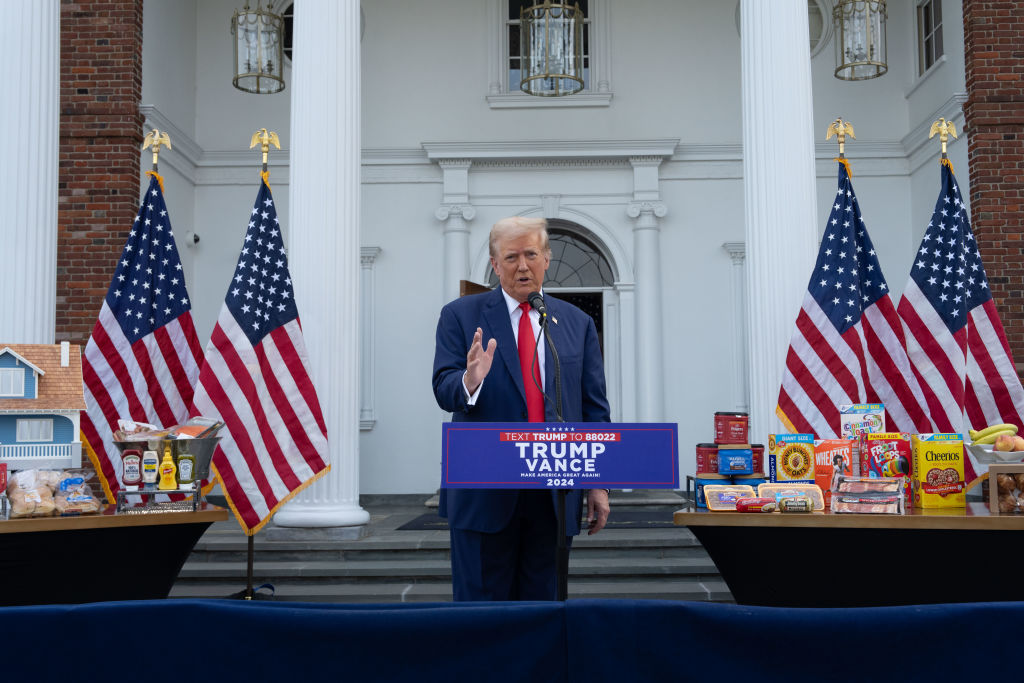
561, 547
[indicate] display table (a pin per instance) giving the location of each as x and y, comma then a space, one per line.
106, 556
848, 560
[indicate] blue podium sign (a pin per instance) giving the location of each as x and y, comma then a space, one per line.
582, 455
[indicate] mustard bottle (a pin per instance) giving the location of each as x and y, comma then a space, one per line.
167, 470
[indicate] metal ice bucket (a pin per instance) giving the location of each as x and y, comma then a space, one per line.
201, 449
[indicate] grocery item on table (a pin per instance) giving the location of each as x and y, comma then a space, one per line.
791, 458
783, 490
868, 495
887, 454
701, 480
938, 480
723, 497
731, 427
735, 459
707, 457
31, 493
834, 458
756, 504
74, 496
858, 419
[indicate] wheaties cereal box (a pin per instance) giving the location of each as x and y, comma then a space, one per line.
791, 458
833, 458
939, 471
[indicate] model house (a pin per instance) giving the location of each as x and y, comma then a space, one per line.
41, 395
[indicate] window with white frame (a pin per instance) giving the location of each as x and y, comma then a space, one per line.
504, 77
35, 430
12, 381
513, 51
929, 34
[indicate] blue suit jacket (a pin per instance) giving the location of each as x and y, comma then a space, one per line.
503, 399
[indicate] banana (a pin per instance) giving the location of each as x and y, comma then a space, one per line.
992, 429
992, 436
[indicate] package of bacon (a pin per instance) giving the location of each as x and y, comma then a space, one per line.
869, 495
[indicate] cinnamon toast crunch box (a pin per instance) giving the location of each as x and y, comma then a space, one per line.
938, 480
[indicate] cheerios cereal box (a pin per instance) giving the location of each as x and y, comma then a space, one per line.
938, 471
791, 458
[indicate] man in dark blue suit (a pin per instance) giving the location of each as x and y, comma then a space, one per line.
503, 541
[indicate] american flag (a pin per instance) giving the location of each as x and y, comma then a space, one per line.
143, 357
257, 380
955, 339
848, 346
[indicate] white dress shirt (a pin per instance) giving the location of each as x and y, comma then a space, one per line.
515, 313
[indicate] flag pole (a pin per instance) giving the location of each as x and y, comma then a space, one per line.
264, 139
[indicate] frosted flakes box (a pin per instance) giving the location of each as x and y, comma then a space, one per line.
791, 458
834, 458
857, 419
938, 480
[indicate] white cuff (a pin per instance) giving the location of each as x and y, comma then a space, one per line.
471, 398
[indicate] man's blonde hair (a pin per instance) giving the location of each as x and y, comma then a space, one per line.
516, 226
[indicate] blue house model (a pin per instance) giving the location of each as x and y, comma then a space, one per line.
41, 398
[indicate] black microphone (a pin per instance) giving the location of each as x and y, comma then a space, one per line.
537, 301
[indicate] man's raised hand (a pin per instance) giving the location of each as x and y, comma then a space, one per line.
478, 360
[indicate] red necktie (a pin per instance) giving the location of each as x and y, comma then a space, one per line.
531, 381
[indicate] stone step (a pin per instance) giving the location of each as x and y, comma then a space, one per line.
384, 570
710, 590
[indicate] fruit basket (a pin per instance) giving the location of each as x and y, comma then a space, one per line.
986, 455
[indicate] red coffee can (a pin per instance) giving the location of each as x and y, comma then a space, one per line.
707, 457
731, 427
758, 449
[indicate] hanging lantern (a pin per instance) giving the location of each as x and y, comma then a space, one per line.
859, 27
259, 55
551, 49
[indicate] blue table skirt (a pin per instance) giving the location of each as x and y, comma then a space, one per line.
582, 640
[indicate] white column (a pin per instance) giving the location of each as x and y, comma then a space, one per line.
779, 192
455, 210
367, 416
324, 238
738, 296
646, 208
649, 366
29, 121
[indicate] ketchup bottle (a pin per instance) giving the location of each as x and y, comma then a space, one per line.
131, 468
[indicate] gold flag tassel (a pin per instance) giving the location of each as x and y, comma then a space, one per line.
944, 128
841, 129
265, 139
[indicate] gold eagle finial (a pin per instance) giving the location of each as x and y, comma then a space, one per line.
944, 128
155, 138
265, 139
840, 129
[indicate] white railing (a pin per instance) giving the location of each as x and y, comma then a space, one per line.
41, 456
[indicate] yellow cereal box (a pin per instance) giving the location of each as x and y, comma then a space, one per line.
791, 457
938, 471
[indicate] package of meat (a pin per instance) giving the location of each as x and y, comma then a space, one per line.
869, 495
867, 503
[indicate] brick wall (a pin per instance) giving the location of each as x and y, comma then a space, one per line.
994, 123
100, 136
